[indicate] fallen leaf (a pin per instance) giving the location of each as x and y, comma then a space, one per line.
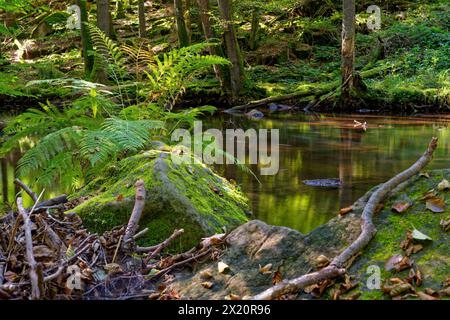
322, 261
232, 297
417, 235
344, 211
399, 289
443, 185
353, 296
222, 267
401, 206
445, 224
277, 278
413, 249
393, 261
436, 205
113, 268
424, 174
429, 195
120, 197
206, 274
424, 296
42, 252
265, 269
207, 284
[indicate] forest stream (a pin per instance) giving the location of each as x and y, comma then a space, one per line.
321, 147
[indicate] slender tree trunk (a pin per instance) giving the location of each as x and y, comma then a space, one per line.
120, 13
183, 38
187, 18
104, 20
142, 25
255, 28
85, 39
209, 35
104, 23
348, 49
232, 47
4, 165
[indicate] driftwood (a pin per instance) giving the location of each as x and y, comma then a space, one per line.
368, 231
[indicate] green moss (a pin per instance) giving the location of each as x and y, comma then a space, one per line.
433, 260
185, 196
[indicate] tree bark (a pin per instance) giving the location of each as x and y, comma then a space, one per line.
253, 41
232, 47
208, 31
85, 39
348, 49
183, 37
4, 168
104, 20
142, 24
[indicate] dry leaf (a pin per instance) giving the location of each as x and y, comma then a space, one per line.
401, 206
120, 197
322, 261
207, 284
445, 224
429, 195
393, 261
443, 185
424, 174
277, 278
344, 211
424, 296
265, 269
417, 235
232, 297
222, 267
206, 274
113, 268
436, 205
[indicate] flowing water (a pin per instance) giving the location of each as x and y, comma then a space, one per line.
321, 147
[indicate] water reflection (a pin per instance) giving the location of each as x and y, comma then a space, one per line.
317, 147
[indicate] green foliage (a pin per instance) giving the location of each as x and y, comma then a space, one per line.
172, 73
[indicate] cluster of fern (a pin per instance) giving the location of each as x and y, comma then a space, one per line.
71, 143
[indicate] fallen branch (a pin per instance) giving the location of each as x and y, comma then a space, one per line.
164, 244
313, 90
368, 231
26, 189
34, 278
133, 223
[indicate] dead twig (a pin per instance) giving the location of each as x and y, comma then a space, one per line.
26, 189
133, 223
34, 278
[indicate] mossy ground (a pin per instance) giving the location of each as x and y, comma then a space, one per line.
185, 196
433, 261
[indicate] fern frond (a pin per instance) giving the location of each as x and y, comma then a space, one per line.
48, 147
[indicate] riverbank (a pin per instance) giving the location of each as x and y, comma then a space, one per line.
403, 67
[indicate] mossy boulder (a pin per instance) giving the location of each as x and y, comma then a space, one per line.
257, 244
185, 196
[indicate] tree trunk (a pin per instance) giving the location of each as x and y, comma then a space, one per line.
142, 25
209, 35
183, 37
104, 21
4, 167
254, 31
348, 49
187, 18
120, 13
85, 39
232, 47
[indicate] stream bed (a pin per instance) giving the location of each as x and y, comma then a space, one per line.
319, 147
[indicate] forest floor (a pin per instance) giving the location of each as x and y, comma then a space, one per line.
406, 63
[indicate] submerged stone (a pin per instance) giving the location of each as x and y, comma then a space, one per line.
326, 183
188, 196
